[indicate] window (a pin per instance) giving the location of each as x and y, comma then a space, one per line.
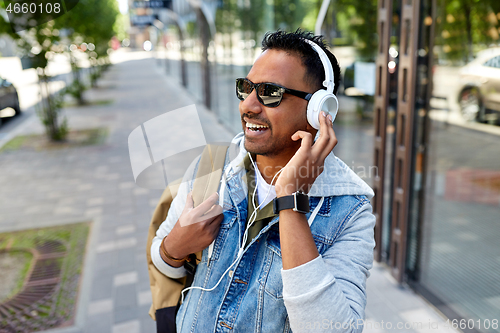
493, 62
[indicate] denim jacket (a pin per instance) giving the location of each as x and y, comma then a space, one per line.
255, 294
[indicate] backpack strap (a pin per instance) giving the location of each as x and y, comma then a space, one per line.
166, 291
209, 173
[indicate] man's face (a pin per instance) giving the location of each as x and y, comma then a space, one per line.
280, 122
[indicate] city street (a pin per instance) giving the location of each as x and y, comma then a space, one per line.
95, 183
28, 89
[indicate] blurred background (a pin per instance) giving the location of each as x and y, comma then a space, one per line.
419, 110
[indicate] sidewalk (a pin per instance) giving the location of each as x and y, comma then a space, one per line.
95, 183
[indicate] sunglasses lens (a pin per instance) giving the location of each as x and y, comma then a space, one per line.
243, 89
270, 94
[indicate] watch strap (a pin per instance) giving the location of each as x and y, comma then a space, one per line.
298, 201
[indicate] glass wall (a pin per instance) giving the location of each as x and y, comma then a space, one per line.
459, 266
237, 30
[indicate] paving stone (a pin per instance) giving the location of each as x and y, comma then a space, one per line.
125, 278
126, 211
113, 176
38, 209
141, 191
424, 320
125, 259
126, 185
98, 323
95, 201
84, 187
125, 303
102, 287
107, 246
116, 245
145, 298
92, 212
133, 326
100, 307
125, 229
148, 324
66, 201
64, 210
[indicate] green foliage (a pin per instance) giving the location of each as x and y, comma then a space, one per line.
289, 14
14, 144
76, 90
48, 113
311, 14
466, 26
24, 258
4, 24
191, 29
40, 43
91, 21
357, 22
122, 24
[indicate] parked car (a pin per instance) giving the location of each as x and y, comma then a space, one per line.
479, 95
8, 98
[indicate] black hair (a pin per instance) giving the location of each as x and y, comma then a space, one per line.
293, 43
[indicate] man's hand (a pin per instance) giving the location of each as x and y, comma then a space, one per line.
195, 230
308, 162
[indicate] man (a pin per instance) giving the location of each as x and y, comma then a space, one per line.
267, 272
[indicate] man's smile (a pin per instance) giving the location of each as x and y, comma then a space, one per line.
254, 128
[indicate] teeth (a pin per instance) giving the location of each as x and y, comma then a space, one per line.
249, 125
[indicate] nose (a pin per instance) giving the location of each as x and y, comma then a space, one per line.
251, 104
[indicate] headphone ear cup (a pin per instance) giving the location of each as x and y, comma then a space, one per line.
321, 100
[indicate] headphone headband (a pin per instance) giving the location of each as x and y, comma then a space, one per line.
329, 82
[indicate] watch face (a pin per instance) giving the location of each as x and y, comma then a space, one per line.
301, 203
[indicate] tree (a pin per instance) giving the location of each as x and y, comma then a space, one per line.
90, 27
357, 21
469, 23
38, 45
89, 20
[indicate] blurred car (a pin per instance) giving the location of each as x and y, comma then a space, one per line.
8, 98
479, 94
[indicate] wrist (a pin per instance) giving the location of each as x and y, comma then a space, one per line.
170, 256
297, 202
285, 190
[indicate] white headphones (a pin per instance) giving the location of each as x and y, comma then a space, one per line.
322, 100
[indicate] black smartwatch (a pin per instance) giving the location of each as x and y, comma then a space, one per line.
298, 201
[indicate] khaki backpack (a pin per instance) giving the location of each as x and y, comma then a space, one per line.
166, 291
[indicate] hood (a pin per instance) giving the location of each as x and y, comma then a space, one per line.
336, 179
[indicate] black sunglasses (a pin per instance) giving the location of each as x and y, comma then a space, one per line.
268, 94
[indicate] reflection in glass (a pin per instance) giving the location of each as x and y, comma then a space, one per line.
460, 252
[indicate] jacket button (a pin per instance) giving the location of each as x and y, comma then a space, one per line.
231, 273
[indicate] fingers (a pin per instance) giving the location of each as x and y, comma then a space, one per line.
332, 138
213, 211
206, 205
217, 220
324, 134
189, 202
327, 139
306, 137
